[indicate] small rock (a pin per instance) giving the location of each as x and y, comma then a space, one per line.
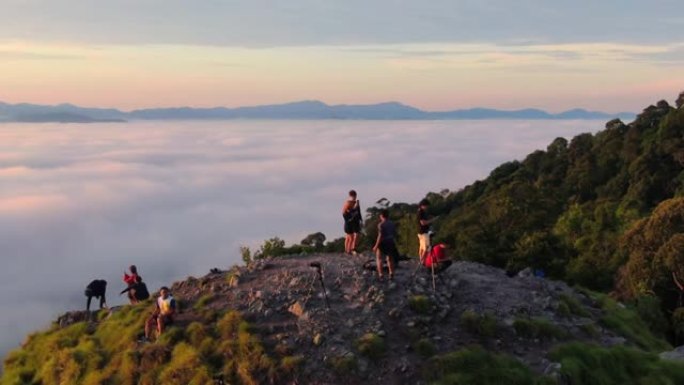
297, 309
318, 339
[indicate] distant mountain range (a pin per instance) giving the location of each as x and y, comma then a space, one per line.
304, 110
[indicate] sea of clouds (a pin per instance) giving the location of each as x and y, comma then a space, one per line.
79, 202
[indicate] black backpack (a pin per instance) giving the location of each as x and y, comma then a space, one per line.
141, 292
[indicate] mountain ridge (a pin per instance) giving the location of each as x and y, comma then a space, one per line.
298, 110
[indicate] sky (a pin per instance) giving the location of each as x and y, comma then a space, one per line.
80, 202
612, 55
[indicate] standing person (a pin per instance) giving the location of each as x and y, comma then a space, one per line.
351, 212
163, 313
131, 281
424, 222
384, 245
97, 289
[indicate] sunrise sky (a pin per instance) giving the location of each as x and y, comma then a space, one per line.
443, 54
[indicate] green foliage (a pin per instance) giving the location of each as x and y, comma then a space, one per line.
573, 306
420, 304
344, 365
292, 364
626, 322
538, 328
484, 325
425, 348
203, 301
594, 365
371, 345
476, 366
656, 250
108, 353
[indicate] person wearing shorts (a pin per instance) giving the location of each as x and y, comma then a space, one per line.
351, 212
163, 313
385, 244
423, 229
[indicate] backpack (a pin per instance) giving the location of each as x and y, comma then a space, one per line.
141, 292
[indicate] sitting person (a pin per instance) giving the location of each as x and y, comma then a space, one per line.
163, 313
97, 289
131, 280
437, 256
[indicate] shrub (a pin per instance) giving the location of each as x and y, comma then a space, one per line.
588, 364
420, 304
475, 365
484, 325
291, 364
573, 305
425, 348
538, 328
371, 345
344, 365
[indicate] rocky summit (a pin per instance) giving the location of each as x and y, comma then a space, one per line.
402, 331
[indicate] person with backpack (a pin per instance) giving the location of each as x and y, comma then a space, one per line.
131, 281
163, 314
351, 212
97, 289
385, 245
424, 222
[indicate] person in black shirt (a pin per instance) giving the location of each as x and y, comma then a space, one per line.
351, 212
384, 245
424, 222
97, 289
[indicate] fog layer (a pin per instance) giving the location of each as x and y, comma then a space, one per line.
79, 202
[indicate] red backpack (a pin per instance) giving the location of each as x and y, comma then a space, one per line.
437, 254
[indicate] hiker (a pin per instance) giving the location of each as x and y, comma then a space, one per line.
384, 245
438, 257
163, 313
423, 229
351, 212
97, 289
139, 290
131, 282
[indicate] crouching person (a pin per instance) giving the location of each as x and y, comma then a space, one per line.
97, 289
163, 313
437, 256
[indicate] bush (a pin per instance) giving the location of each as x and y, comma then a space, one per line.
425, 348
484, 325
538, 328
475, 365
371, 345
420, 304
588, 364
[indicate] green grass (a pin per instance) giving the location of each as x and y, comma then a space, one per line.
587, 364
425, 348
476, 366
483, 325
538, 328
371, 345
420, 304
344, 365
627, 323
203, 301
573, 306
109, 353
